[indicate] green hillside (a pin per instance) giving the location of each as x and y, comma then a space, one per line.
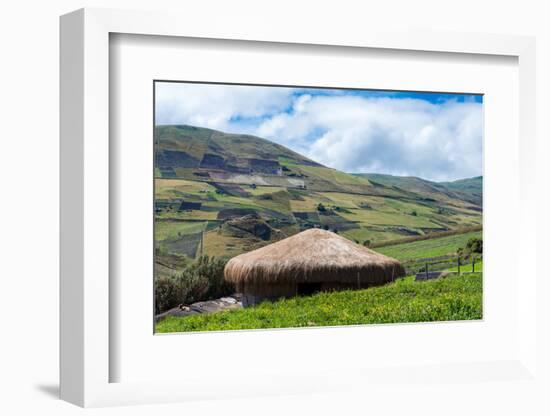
469, 189
223, 194
429, 248
473, 186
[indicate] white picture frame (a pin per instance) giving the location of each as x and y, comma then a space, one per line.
86, 353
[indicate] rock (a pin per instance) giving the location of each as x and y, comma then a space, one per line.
208, 306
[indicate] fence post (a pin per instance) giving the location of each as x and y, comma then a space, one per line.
426, 270
458, 264
473, 264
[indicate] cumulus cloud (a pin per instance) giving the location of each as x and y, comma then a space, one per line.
347, 131
223, 107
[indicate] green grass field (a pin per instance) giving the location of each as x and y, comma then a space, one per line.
478, 267
447, 299
168, 229
428, 248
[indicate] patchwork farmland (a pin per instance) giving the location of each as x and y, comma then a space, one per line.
221, 194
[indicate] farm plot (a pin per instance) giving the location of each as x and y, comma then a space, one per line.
172, 229
186, 244
375, 217
307, 203
336, 222
175, 188
434, 247
371, 234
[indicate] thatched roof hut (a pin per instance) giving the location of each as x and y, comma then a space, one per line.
310, 261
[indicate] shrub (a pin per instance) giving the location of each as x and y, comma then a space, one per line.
211, 270
201, 280
414, 213
166, 294
475, 245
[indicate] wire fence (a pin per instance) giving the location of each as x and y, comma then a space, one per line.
433, 266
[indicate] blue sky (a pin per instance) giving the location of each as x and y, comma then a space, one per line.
436, 136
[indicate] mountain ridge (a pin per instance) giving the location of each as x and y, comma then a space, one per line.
469, 189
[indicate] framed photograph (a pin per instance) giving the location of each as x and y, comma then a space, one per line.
319, 213
347, 190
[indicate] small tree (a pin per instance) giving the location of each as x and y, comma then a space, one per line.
475, 245
321, 207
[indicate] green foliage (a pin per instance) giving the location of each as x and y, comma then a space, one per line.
475, 245
201, 280
167, 294
414, 213
321, 207
451, 298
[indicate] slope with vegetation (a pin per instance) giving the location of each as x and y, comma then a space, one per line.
435, 247
221, 194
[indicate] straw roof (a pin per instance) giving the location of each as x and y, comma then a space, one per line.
314, 256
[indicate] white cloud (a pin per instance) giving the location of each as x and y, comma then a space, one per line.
400, 136
216, 106
385, 135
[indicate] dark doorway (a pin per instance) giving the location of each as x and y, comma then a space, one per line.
306, 289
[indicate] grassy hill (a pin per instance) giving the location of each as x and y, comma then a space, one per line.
472, 186
469, 189
449, 299
223, 194
436, 247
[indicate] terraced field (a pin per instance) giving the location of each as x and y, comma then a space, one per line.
223, 194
